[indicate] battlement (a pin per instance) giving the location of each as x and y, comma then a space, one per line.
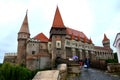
10, 54
33, 40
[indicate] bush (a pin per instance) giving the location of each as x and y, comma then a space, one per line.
112, 61
15, 72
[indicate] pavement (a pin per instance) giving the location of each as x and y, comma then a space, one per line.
94, 74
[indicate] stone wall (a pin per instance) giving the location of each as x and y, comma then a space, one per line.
59, 74
113, 67
47, 75
38, 63
98, 64
63, 71
10, 57
45, 62
74, 69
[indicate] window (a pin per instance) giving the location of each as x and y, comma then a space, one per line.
50, 45
41, 47
68, 43
33, 52
58, 44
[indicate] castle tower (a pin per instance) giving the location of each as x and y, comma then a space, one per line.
106, 41
23, 35
57, 35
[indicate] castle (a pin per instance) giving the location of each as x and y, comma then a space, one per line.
64, 42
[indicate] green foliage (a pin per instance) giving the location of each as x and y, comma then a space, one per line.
112, 61
15, 72
115, 56
115, 60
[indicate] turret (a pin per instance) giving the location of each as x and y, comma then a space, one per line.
23, 35
106, 41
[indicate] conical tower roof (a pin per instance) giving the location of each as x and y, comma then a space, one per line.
105, 38
25, 28
90, 41
58, 22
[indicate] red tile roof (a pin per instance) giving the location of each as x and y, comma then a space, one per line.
58, 22
72, 36
24, 27
78, 37
49, 39
90, 41
76, 33
41, 37
105, 38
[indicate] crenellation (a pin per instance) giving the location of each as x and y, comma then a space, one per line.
11, 54
33, 40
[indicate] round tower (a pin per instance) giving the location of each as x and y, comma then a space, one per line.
23, 35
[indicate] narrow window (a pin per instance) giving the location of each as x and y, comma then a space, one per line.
33, 52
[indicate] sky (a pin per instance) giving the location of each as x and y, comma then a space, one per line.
92, 17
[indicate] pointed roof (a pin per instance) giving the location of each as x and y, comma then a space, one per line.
85, 39
76, 33
105, 38
90, 41
72, 36
78, 37
25, 28
58, 22
41, 37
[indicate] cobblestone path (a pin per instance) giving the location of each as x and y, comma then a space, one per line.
93, 74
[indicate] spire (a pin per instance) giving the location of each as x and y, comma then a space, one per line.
85, 39
72, 36
90, 41
25, 28
58, 22
105, 38
79, 37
